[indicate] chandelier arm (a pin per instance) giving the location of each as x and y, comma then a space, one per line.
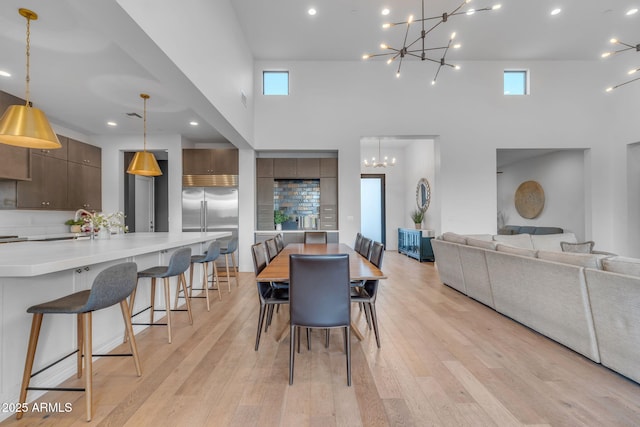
404, 44
411, 53
455, 11
427, 49
626, 83
383, 54
437, 72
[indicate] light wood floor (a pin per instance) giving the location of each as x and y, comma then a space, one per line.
445, 360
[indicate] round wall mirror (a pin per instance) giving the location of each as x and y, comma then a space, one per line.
423, 194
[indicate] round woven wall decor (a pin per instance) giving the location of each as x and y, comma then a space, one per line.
529, 199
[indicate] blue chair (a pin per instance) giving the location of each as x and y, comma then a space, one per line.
232, 247
112, 286
178, 264
210, 256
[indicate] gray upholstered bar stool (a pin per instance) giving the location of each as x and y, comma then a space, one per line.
178, 264
112, 286
210, 256
232, 247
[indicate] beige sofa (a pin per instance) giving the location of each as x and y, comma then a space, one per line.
587, 302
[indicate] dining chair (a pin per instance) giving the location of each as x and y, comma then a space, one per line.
267, 294
315, 237
272, 249
279, 242
230, 249
111, 286
319, 297
356, 245
366, 293
365, 247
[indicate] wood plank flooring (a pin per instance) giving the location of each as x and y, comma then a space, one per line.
446, 360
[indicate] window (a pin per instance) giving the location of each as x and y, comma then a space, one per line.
516, 82
275, 82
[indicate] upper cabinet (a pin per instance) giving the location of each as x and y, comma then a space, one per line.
15, 162
209, 161
329, 167
264, 168
284, 168
85, 154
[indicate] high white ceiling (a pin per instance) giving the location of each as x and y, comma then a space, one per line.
90, 61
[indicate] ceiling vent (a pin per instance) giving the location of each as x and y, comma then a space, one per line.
134, 115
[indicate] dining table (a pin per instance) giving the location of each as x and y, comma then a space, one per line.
360, 268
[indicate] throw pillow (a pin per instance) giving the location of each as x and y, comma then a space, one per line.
579, 248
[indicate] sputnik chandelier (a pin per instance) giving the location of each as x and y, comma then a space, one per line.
625, 47
379, 162
418, 48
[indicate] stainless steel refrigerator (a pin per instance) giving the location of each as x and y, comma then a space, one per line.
210, 209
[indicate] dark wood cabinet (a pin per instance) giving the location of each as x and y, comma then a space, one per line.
308, 168
84, 154
85, 186
264, 168
58, 153
48, 187
209, 161
285, 168
329, 167
15, 162
264, 200
328, 203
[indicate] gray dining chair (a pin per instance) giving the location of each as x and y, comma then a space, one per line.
111, 286
366, 293
210, 256
315, 237
230, 250
319, 297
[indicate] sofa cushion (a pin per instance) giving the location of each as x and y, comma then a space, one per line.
551, 242
516, 251
581, 260
579, 248
480, 243
518, 240
622, 265
454, 238
486, 237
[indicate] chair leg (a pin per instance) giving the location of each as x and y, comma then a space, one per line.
367, 314
269, 317
80, 335
205, 285
347, 339
226, 263
182, 279
308, 340
326, 338
217, 279
36, 323
153, 298
88, 364
292, 333
374, 320
235, 268
167, 306
190, 279
260, 322
132, 340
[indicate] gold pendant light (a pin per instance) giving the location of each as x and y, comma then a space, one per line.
144, 163
24, 125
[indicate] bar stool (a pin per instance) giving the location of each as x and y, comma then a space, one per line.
112, 286
178, 264
232, 247
210, 256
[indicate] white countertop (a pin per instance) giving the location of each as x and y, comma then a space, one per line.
290, 231
32, 258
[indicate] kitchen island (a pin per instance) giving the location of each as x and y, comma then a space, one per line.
32, 272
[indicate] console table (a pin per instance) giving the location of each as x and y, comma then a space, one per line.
416, 243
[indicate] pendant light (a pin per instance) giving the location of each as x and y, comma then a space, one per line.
144, 163
380, 162
24, 125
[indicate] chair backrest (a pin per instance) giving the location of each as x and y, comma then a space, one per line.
179, 262
376, 254
319, 290
232, 245
279, 242
111, 285
272, 249
356, 245
213, 252
315, 237
259, 257
365, 247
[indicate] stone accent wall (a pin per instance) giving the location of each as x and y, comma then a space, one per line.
297, 197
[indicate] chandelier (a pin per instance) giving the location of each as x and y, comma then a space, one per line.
379, 162
417, 48
144, 163
625, 47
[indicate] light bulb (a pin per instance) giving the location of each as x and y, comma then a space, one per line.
471, 11
456, 67
383, 46
496, 7
5, 73
398, 74
312, 11
385, 11
410, 20
433, 82
389, 61
393, 161
366, 56
556, 11
457, 46
386, 25
605, 55
613, 41
609, 89
453, 35
632, 11
632, 71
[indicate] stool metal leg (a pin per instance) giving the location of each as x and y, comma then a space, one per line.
226, 263
217, 279
153, 299
36, 323
235, 268
183, 280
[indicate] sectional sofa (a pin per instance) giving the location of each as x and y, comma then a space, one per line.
589, 302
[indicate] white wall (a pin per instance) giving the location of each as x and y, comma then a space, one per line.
420, 163
561, 175
333, 103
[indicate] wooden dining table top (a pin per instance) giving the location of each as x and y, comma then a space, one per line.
359, 267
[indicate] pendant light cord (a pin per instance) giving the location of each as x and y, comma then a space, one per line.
145, 124
28, 78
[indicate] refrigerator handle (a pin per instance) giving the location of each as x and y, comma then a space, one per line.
205, 212
201, 211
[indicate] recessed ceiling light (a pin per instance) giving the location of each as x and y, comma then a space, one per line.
312, 11
385, 11
556, 11
193, 123
112, 124
5, 73
632, 11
